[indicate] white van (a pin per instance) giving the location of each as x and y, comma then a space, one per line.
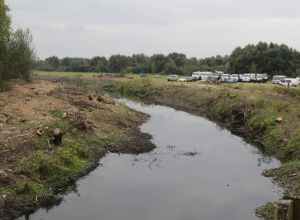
246, 77
290, 82
235, 76
205, 75
225, 77
277, 78
197, 75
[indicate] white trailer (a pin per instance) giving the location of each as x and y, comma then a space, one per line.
277, 78
290, 82
246, 77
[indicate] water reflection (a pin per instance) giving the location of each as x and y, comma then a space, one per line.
199, 170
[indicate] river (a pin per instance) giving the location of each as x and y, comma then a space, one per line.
199, 170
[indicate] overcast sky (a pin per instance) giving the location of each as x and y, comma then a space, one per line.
198, 28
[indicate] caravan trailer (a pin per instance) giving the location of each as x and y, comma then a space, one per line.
277, 78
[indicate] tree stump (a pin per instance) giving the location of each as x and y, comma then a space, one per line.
285, 210
105, 100
57, 135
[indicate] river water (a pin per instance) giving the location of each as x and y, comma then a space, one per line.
199, 170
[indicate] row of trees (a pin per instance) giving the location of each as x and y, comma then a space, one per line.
270, 58
17, 55
174, 63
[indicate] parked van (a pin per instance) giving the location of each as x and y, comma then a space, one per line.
235, 76
290, 82
172, 78
256, 77
225, 77
246, 77
240, 78
197, 75
205, 75
277, 78
265, 77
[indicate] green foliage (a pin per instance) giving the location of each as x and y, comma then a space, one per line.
272, 59
53, 61
220, 108
81, 81
178, 58
21, 54
117, 62
170, 68
293, 164
109, 85
253, 68
293, 144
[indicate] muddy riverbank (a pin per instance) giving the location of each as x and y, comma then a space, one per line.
33, 167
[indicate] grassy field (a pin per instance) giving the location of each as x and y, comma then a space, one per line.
163, 81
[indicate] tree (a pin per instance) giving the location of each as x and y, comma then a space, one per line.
53, 61
170, 68
117, 62
178, 58
66, 61
5, 33
22, 54
253, 68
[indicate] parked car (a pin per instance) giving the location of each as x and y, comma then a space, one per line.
143, 75
231, 81
172, 78
157, 76
183, 79
192, 79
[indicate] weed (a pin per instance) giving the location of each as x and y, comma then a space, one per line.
220, 108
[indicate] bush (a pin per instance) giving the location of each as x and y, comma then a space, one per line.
46, 68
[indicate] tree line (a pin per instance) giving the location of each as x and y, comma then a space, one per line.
173, 63
272, 59
17, 53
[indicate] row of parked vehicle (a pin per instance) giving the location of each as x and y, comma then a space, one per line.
283, 81
222, 77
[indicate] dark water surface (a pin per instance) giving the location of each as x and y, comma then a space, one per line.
198, 171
